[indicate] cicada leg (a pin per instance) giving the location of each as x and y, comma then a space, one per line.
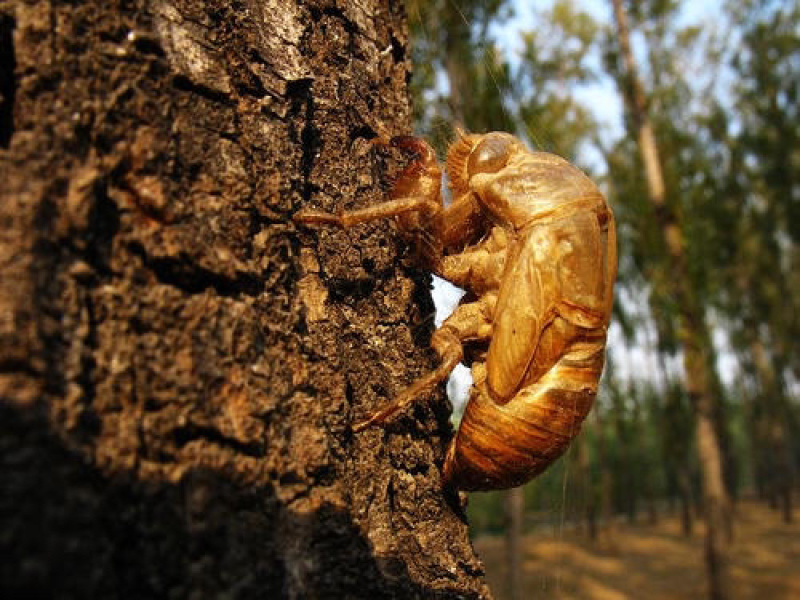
469, 322
384, 210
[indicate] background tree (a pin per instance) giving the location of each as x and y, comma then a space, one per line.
693, 333
762, 134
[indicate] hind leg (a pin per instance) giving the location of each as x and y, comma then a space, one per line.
469, 322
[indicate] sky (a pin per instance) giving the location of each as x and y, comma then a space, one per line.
601, 95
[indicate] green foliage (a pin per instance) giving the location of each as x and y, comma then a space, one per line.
486, 514
461, 79
555, 59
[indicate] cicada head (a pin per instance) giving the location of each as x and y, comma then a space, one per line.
471, 154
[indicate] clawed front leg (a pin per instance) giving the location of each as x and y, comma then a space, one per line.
417, 190
467, 323
390, 208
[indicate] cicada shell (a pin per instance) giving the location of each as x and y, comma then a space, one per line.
533, 240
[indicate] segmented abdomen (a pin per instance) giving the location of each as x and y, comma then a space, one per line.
501, 446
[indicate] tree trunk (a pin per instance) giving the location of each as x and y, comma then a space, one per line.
627, 474
180, 366
515, 552
685, 490
587, 485
778, 448
606, 479
715, 499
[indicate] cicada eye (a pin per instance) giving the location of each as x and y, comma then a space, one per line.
491, 154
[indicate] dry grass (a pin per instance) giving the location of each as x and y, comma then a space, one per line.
654, 562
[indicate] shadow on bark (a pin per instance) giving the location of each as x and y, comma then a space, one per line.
70, 531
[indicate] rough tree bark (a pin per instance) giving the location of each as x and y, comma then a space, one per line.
179, 365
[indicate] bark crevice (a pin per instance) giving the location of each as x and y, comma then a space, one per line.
8, 84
